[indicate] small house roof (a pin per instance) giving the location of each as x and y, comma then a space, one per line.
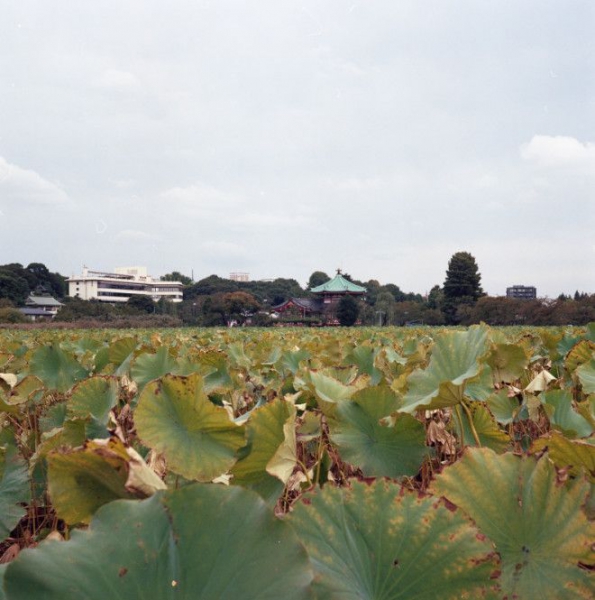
42, 301
35, 312
338, 284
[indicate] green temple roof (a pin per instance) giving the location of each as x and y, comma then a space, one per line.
337, 285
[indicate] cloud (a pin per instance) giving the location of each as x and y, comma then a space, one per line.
200, 199
134, 235
223, 249
20, 187
560, 151
114, 79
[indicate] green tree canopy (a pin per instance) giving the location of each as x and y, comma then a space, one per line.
142, 303
317, 278
347, 311
176, 276
462, 286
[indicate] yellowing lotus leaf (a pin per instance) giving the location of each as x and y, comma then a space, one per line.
536, 522
455, 359
175, 417
378, 542
270, 454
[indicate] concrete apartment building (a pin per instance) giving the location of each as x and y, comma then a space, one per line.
524, 292
120, 285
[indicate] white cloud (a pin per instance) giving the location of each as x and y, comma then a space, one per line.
114, 79
134, 235
223, 249
22, 187
559, 151
200, 199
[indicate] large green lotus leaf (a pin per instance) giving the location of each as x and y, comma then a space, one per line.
590, 333
508, 362
14, 489
175, 416
364, 357
94, 397
586, 375
455, 359
564, 417
201, 542
503, 407
216, 375
488, 432
147, 367
57, 369
575, 455
80, 481
265, 434
392, 447
378, 542
121, 352
480, 387
290, 360
535, 521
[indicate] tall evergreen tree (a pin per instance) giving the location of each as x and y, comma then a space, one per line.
462, 286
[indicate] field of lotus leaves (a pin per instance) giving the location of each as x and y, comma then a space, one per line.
289, 464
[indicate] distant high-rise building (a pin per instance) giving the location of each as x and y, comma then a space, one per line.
524, 292
237, 276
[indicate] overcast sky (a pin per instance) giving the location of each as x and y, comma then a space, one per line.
283, 137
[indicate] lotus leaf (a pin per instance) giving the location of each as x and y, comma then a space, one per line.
201, 542
266, 435
14, 489
508, 362
94, 397
485, 427
379, 542
175, 417
586, 375
535, 521
455, 359
147, 367
58, 369
392, 448
576, 455
564, 417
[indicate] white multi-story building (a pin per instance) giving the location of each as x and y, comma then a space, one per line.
120, 285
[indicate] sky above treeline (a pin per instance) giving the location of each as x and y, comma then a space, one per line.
279, 138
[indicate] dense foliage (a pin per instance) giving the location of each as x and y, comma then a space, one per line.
374, 463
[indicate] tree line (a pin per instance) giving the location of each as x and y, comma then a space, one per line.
217, 301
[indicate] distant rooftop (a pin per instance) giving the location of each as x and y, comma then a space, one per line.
338, 284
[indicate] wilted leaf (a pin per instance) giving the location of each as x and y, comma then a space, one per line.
540, 382
576, 455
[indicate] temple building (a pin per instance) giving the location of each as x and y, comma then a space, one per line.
321, 308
